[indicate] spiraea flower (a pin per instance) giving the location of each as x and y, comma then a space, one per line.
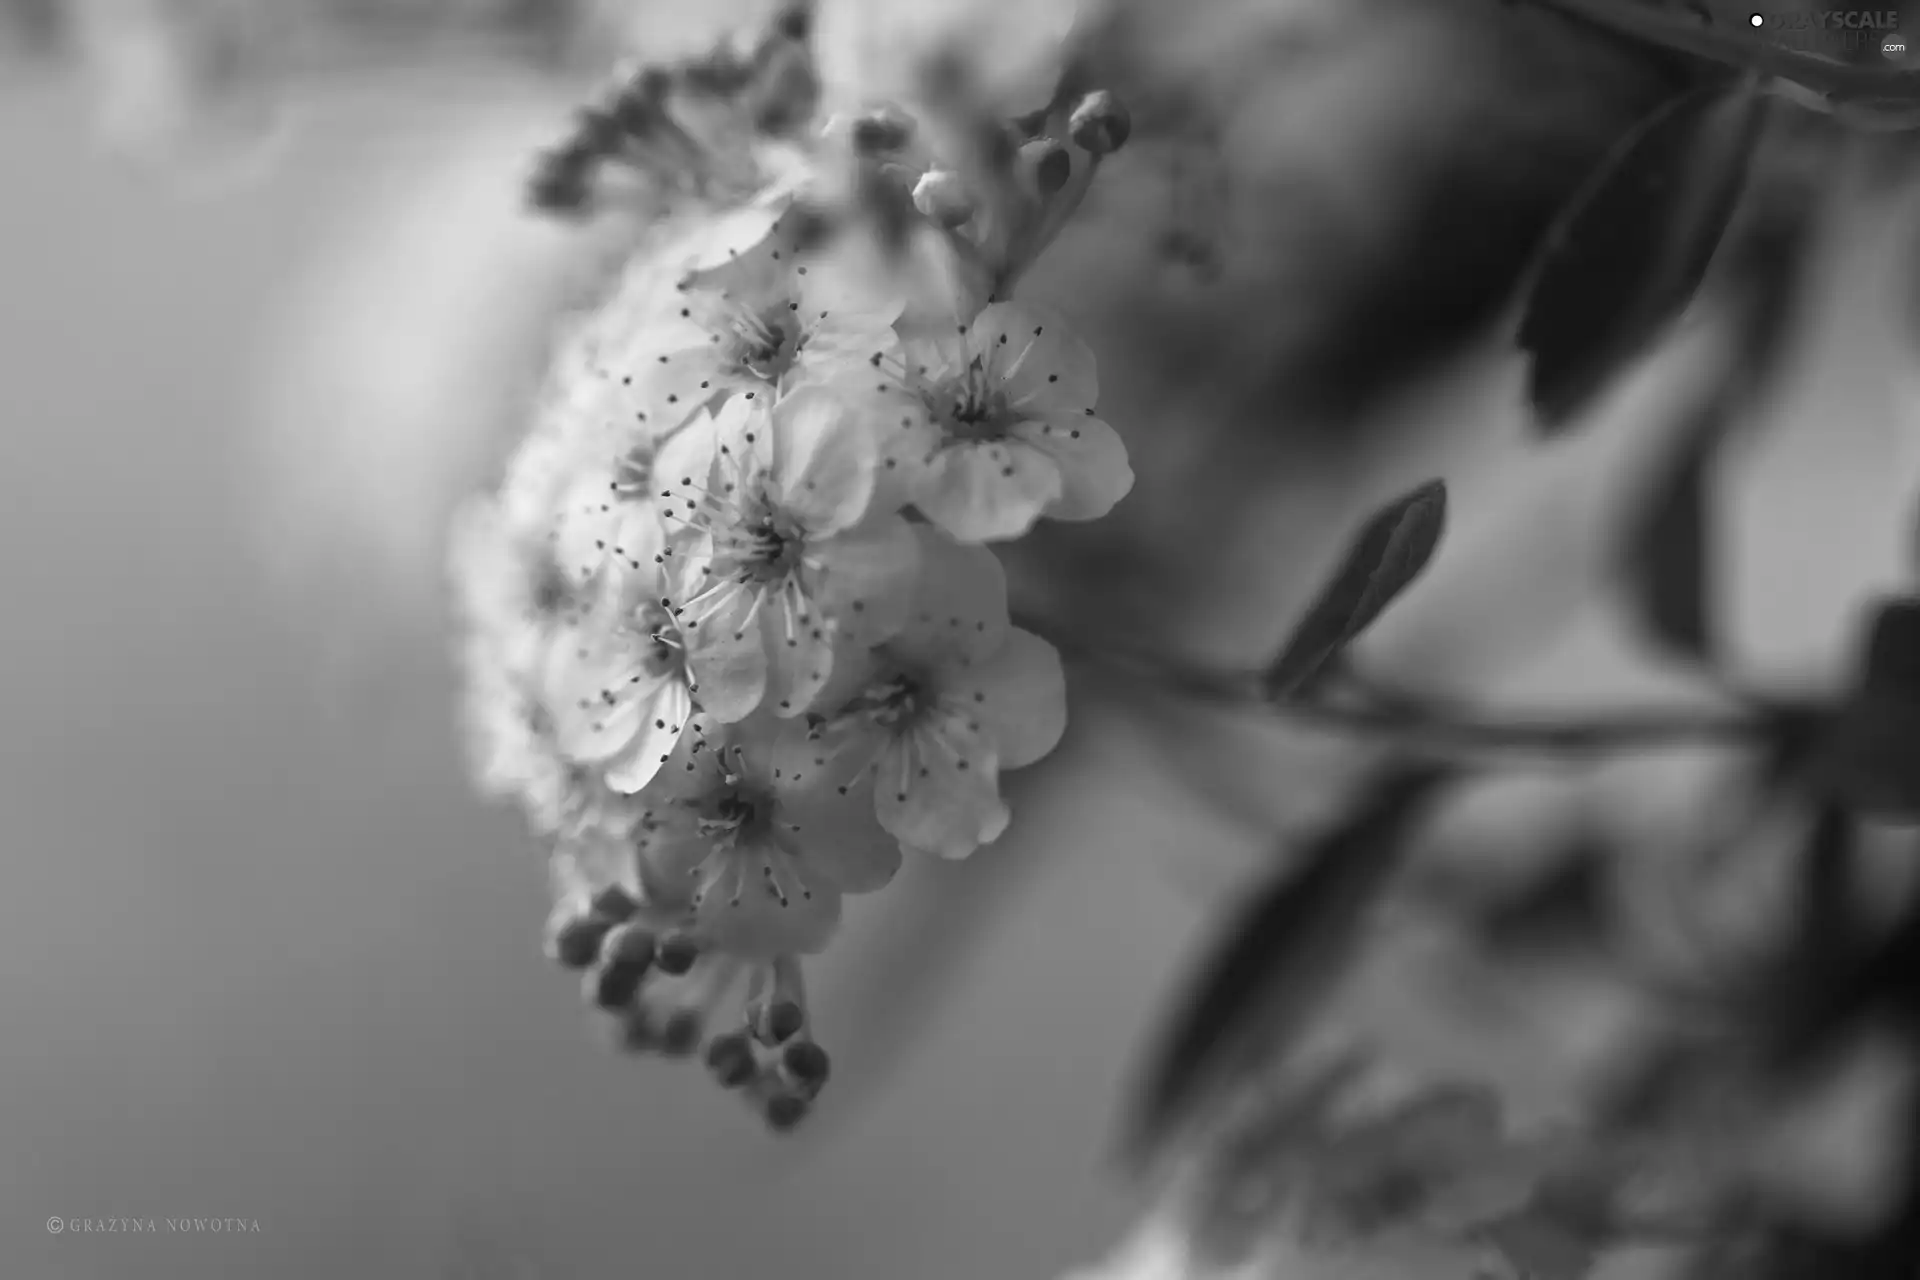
937, 712
779, 551
761, 321
732, 645
1001, 430
762, 837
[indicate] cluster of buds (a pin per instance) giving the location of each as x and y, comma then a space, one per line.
737, 639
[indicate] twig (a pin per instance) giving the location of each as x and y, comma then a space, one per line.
1413, 721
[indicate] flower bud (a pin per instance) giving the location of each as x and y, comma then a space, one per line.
575, 943
1099, 124
730, 1058
1049, 164
785, 1110
806, 1062
881, 132
680, 1033
676, 954
941, 196
615, 983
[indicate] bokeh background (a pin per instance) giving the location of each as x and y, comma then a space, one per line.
262, 957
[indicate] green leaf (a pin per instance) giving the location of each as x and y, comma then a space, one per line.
1277, 962
1633, 249
1390, 551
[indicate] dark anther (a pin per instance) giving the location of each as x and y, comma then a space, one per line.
618, 982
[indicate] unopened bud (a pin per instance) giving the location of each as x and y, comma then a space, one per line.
806, 1062
615, 904
680, 1033
881, 132
941, 196
783, 1021
785, 1110
1099, 124
630, 944
730, 1059
1049, 164
575, 944
676, 954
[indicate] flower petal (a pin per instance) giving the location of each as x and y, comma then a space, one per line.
1094, 470
799, 647
987, 491
1040, 366
761, 929
725, 650
1018, 696
864, 580
960, 610
594, 678
841, 840
938, 790
663, 718
823, 461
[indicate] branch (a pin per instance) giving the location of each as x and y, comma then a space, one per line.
1412, 720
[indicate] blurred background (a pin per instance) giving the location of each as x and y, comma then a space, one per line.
263, 958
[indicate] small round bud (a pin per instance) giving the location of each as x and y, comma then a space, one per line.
785, 1110
630, 944
881, 132
615, 983
730, 1059
794, 21
783, 1021
806, 1062
1049, 164
941, 196
561, 183
1099, 124
637, 1034
680, 1033
676, 954
614, 903
576, 943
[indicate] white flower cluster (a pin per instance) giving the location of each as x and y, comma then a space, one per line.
736, 635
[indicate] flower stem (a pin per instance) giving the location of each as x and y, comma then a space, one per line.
1413, 720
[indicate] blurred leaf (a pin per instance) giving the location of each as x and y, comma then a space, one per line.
1632, 251
1667, 553
1389, 552
1275, 964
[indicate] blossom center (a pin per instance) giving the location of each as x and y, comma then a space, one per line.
662, 652
764, 342
763, 549
972, 407
748, 849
